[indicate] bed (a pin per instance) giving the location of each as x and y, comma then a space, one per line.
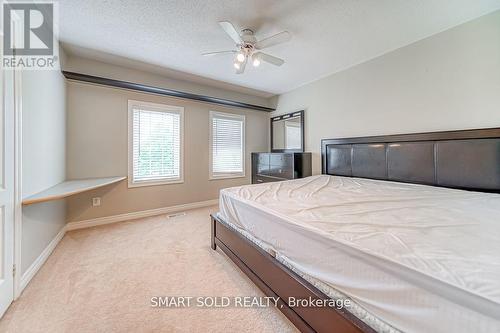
391, 225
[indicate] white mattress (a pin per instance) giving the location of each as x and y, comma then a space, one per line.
420, 258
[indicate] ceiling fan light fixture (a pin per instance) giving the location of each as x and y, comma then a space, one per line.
255, 61
249, 49
240, 57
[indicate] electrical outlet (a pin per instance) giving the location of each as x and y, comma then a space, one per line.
96, 201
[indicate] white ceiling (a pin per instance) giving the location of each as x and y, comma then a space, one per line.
328, 35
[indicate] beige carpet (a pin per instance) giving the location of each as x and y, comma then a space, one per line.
102, 279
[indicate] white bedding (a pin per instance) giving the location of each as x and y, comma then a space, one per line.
420, 258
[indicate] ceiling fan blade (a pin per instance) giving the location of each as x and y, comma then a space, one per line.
217, 53
242, 67
231, 31
270, 59
279, 38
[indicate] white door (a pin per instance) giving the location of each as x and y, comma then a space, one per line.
6, 188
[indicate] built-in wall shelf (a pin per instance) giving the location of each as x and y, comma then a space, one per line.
70, 187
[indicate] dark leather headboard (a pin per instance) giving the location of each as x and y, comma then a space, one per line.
468, 159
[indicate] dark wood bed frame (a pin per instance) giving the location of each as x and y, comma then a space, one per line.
468, 159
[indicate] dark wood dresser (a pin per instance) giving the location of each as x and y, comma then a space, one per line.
273, 167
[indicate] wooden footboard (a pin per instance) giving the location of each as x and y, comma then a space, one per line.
277, 280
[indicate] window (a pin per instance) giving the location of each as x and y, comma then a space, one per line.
227, 145
155, 144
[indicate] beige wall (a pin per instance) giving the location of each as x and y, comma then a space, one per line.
448, 81
97, 147
43, 159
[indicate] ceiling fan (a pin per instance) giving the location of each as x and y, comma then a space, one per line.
248, 48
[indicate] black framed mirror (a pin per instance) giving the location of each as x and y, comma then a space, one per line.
287, 132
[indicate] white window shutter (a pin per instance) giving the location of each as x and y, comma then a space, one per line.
156, 144
227, 145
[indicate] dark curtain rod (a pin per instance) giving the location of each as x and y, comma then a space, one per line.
160, 91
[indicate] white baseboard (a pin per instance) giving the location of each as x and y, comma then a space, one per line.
38, 263
138, 215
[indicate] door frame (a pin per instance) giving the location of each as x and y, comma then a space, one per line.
18, 171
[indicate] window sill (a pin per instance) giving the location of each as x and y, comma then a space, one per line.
226, 177
155, 183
